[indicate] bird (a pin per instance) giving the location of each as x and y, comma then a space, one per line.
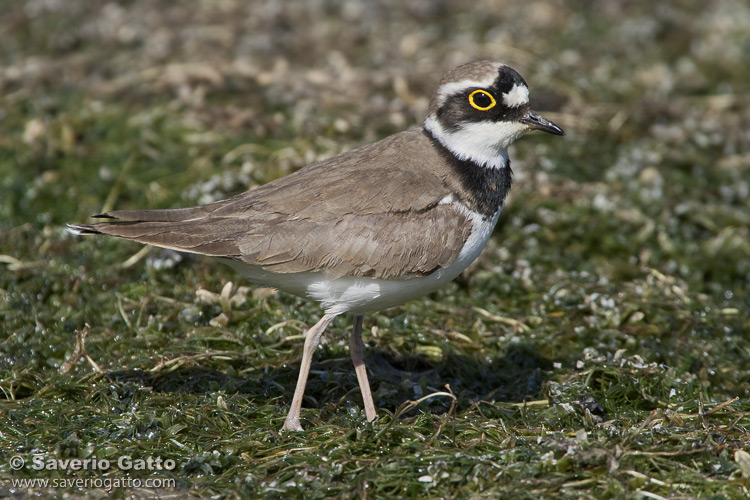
370, 228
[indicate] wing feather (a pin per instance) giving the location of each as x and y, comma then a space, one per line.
363, 213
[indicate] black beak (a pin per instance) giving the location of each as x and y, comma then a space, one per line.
537, 122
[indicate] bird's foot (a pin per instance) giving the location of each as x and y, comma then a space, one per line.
291, 424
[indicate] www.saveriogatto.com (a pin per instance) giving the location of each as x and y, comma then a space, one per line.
75, 466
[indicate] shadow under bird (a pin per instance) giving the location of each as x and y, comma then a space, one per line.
371, 228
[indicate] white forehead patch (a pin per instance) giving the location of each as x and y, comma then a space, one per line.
448, 89
518, 96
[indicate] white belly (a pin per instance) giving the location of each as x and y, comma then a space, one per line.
365, 295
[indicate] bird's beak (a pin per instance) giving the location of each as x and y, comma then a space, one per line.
536, 121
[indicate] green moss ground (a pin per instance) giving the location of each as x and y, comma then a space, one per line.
598, 348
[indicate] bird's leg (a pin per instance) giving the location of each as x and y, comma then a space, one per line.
357, 352
312, 338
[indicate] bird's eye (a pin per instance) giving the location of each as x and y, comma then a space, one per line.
482, 100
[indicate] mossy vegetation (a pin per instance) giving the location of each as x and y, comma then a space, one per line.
598, 348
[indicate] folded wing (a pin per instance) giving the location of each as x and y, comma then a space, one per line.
362, 213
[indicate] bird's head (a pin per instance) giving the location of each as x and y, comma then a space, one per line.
479, 109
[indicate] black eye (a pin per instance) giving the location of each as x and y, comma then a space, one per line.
481, 100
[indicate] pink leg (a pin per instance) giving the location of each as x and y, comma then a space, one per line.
357, 352
312, 337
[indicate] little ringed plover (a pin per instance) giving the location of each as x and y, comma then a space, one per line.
371, 228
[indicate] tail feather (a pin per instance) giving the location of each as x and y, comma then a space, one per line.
83, 229
163, 228
168, 215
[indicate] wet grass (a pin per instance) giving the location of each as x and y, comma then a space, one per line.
598, 348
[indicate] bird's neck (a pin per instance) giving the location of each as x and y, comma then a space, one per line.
480, 188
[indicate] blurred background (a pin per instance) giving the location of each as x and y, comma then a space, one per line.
627, 239
162, 104
194, 99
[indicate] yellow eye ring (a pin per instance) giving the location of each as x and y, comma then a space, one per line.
483, 93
